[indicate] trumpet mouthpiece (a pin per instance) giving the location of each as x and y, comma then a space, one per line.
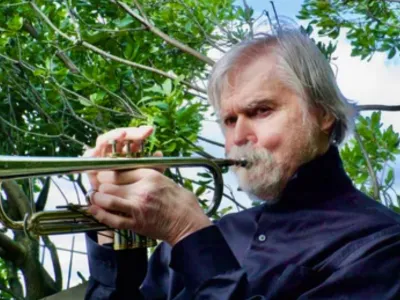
243, 163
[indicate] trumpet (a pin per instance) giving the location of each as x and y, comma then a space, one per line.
75, 218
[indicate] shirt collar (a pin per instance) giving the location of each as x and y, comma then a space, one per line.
322, 178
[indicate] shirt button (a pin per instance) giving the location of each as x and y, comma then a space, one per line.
262, 237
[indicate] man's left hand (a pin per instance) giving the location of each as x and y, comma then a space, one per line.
147, 202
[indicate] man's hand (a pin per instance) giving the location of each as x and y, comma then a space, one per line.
103, 148
137, 135
143, 200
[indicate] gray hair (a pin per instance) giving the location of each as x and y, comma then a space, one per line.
301, 66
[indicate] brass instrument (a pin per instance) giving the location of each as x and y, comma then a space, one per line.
75, 218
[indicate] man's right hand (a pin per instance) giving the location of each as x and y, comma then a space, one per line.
136, 135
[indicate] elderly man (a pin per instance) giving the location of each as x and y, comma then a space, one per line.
315, 237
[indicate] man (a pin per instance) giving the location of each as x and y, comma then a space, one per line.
315, 237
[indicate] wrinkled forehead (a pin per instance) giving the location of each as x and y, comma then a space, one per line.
249, 76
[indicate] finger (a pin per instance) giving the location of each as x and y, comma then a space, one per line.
111, 203
89, 152
133, 146
92, 177
127, 177
127, 133
103, 141
121, 191
159, 154
110, 219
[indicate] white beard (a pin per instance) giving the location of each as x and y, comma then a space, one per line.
262, 178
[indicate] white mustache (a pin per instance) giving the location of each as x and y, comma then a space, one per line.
249, 153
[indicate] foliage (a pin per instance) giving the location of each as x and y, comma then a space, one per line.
382, 146
72, 69
54, 86
370, 26
4, 278
166, 109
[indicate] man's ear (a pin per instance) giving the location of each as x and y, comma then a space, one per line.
326, 120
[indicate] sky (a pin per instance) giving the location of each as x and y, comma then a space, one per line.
373, 82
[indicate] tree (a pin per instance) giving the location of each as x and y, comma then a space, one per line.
71, 69
370, 26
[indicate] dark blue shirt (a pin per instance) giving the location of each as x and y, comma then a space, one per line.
323, 240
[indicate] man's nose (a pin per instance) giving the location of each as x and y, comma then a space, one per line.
244, 132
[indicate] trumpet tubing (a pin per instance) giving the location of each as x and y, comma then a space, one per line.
75, 219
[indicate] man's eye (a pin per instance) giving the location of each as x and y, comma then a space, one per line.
262, 111
230, 121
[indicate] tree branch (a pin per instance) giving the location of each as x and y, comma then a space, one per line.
199, 150
211, 142
161, 34
80, 184
371, 172
55, 261
108, 55
67, 62
276, 14
99, 107
16, 198
249, 21
4, 289
10, 250
231, 198
208, 38
30, 29
378, 106
14, 281
60, 54
48, 136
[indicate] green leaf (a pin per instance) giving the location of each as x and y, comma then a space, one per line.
167, 87
188, 184
204, 175
389, 178
39, 72
97, 97
159, 104
85, 102
225, 210
170, 148
155, 89
128, 50
392, 53
144, 99
15, 23
161, 121
375, 119
124, 22
80, 85
200, 190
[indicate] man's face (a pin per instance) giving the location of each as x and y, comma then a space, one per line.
264, 122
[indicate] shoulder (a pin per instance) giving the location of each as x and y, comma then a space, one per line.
367, 209
370, 227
